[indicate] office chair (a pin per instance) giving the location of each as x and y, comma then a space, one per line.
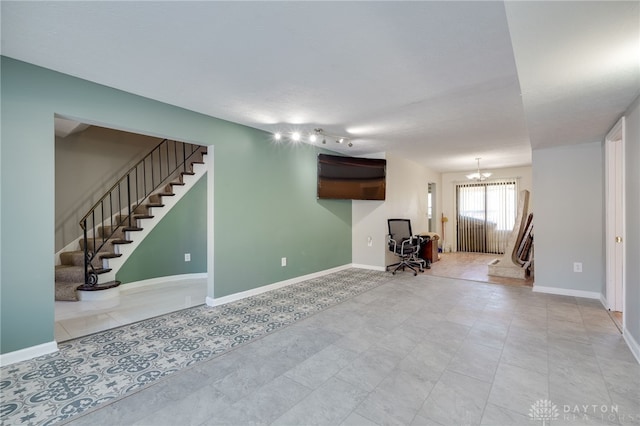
406, 246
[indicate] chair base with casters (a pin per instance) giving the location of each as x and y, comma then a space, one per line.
406, 246
413, 263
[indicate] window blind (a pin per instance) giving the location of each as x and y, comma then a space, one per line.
486, 213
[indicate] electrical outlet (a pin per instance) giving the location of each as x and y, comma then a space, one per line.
369, 241
187, 257
577, 266
283, 262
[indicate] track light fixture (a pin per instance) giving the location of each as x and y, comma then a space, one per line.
312, 137
338, 139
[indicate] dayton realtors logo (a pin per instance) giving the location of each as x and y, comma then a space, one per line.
544, 410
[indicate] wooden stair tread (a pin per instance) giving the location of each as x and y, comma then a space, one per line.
109, 255
121, 242
143, 216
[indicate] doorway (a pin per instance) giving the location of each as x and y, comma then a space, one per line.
614, 245
144, 295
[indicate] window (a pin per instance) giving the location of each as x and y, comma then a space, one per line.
486, 214
431, 194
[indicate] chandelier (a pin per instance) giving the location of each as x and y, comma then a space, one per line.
479, 176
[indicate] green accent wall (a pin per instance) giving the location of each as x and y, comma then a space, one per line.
265, 204
182, 230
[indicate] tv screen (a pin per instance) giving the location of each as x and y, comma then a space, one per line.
351, 178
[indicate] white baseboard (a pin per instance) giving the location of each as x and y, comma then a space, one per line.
28, 353
632, 343
568, 292
604, 302
161, 280
370, 267
253, 292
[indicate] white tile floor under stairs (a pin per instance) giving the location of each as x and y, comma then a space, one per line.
77, 319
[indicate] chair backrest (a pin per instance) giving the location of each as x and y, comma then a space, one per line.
399, 229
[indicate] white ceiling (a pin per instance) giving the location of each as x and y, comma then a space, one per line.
438, 82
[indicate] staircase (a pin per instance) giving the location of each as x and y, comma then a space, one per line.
114, 221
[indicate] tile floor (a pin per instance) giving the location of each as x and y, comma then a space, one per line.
471, 266
77, 319
399, 350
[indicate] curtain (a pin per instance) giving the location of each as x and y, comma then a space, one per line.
486, 214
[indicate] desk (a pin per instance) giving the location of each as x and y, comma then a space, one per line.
430, 250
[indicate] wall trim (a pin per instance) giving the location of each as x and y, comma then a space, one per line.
161, 280
631, 342
28, 353
371, 267
210, 301
603, 300
568, 292
634, 347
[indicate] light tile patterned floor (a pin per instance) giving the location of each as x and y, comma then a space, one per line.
399, 350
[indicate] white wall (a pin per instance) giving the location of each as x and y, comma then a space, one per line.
366, 219
568, 182
449, 180
407, 185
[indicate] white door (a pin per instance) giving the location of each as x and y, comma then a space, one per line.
614, 216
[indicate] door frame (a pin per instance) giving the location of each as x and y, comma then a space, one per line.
615, 278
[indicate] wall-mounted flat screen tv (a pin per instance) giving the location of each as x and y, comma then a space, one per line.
351, 178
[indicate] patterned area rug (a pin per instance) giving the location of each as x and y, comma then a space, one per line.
103, 367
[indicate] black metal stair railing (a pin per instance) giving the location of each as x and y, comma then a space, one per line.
116, 209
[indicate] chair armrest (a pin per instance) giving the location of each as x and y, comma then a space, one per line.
409, 244
393, 244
